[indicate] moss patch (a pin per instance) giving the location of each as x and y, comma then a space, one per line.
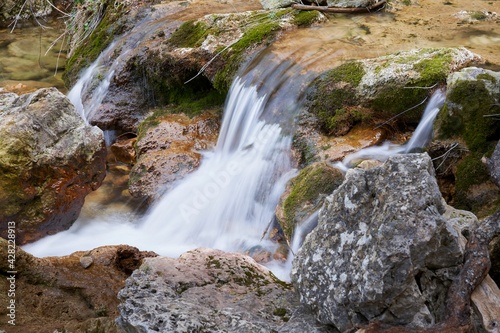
334, 96
256, 34
88, 51
463, 116
307, 189
303, 18
189, 34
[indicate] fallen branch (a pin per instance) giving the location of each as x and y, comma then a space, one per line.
326, 9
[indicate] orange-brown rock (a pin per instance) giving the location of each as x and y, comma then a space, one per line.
59, 293
169, 151
49, 161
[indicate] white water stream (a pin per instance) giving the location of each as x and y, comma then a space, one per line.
229, 201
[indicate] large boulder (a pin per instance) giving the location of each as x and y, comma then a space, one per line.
382, 249
468, 118
74, 293
168, 149
49, 161
207, 290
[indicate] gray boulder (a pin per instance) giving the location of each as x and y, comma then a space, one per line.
49, 161
208, 290
382, 249
494, 165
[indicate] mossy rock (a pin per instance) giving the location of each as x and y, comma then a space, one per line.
110, 15
389, 86
305, 193
473, 94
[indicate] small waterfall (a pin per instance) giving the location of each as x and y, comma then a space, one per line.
419, 139
229, 201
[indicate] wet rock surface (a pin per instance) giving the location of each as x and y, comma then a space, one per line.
50, 160
59, 293
380, 252
208, 290
169, 150
305, 194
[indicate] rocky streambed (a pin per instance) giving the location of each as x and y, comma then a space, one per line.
397, 247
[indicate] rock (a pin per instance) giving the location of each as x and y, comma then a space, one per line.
155, 71
124, 150
350, 3
208, 290
57, 293
472, 97
494, 249
168, 151
86, 261
364, 90
380, 252
305, 194
274, 4
10, 9
494, 165
50, 160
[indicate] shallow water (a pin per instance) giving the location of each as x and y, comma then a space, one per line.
28, 58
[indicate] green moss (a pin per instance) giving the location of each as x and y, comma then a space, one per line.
478, 15
189, 34
88, 51
257, 34
334, 93
307, 188
302, 18
280, 312
469, 102
470, 171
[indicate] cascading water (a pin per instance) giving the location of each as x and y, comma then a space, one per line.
230, 200
419, 139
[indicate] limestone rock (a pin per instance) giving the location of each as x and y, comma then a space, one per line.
50, 160
305, 194
169, 150
273, 4
57, 293
382, 249
208, 290
124, 151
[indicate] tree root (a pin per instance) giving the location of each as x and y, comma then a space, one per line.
326, 9
477, 263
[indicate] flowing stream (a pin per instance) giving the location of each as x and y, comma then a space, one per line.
229, 201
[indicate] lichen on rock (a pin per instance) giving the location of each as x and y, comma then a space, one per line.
380, 252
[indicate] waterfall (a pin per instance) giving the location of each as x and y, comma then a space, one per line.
229, 201
420, 138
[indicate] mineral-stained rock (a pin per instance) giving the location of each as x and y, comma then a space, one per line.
58, 294
208, 290
168, 150
49, 161
382, 249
